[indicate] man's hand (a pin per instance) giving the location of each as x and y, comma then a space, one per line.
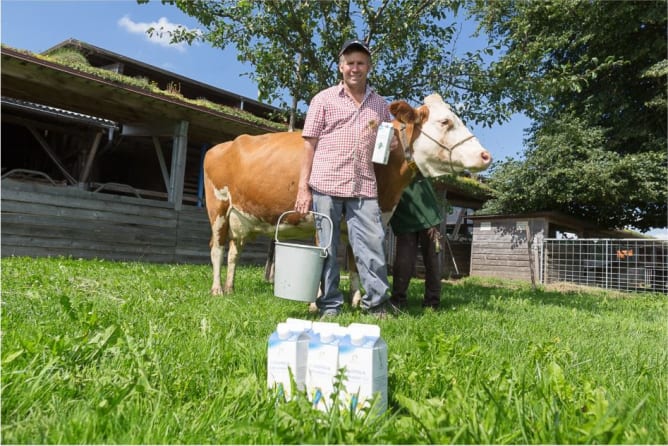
304, 200
394, 144
304, 194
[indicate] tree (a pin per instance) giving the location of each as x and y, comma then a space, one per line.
568, 168
293, 46
592, 75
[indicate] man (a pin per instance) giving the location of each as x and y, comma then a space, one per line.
415, 222
337, 178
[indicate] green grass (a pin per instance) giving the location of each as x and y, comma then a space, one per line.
104, 352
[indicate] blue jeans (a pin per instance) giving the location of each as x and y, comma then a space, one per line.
366, 237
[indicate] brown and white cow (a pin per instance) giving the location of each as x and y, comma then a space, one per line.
250, 181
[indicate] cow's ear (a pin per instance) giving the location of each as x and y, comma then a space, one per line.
402, 111
422, 115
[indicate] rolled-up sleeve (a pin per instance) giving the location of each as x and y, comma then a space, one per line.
315, 118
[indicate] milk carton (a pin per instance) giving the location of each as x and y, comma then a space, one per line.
286, 355
363, 356
381, 150
307, 326
323, 363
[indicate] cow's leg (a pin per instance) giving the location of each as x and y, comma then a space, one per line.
232, 259
355, 288
217, 252
269, 265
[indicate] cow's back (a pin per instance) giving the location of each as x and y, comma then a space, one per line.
257, 175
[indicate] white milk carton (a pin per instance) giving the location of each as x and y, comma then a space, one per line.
286, 354
307, 326
363, 356
381, 150
323, 363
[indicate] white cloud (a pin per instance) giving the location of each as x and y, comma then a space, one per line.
660, 233
160, 34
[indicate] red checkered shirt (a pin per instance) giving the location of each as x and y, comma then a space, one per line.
346, 134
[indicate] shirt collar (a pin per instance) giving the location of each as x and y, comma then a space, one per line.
368, 90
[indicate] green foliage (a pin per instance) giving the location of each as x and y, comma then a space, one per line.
293, 46
473, 187
593, 77
570, 170
69, 57
129, 353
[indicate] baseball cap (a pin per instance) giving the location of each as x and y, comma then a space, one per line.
356, 43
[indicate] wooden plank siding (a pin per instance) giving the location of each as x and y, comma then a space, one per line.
502, 250
40, 220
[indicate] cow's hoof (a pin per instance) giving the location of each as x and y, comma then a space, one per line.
312, 308
216, 291
357, 298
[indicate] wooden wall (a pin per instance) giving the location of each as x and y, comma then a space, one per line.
500, 249
40, 220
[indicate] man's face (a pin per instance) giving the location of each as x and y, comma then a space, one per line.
355, 67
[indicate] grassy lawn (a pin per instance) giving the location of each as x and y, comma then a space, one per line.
105, 352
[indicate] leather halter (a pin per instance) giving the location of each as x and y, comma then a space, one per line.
407, 146
407, 143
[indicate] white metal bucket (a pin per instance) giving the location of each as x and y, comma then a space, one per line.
297, 268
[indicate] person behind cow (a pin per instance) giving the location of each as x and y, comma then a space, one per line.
416, 221
337, 179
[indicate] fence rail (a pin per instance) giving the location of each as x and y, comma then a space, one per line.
619, 264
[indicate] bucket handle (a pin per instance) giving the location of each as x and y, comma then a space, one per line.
331, 225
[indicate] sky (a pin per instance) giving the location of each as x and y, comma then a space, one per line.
120, 26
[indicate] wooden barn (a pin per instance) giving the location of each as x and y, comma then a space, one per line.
102, 155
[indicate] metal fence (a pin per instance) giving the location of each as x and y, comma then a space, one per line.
619, 264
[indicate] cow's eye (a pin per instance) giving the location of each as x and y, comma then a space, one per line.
446, 123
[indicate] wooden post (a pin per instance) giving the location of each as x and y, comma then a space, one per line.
91, 157
161, 160
179, 155
531, 259
52, 154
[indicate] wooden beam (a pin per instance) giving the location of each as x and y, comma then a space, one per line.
147, 130
91, 157
179, 155
52, 155
161, 160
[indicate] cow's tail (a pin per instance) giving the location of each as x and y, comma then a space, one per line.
218, 207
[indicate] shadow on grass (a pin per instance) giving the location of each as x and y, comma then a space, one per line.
479, 293
469, 293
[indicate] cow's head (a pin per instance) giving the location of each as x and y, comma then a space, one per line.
441, 143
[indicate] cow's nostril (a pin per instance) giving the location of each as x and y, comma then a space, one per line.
486, 157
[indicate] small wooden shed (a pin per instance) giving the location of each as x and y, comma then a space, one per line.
506, 246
